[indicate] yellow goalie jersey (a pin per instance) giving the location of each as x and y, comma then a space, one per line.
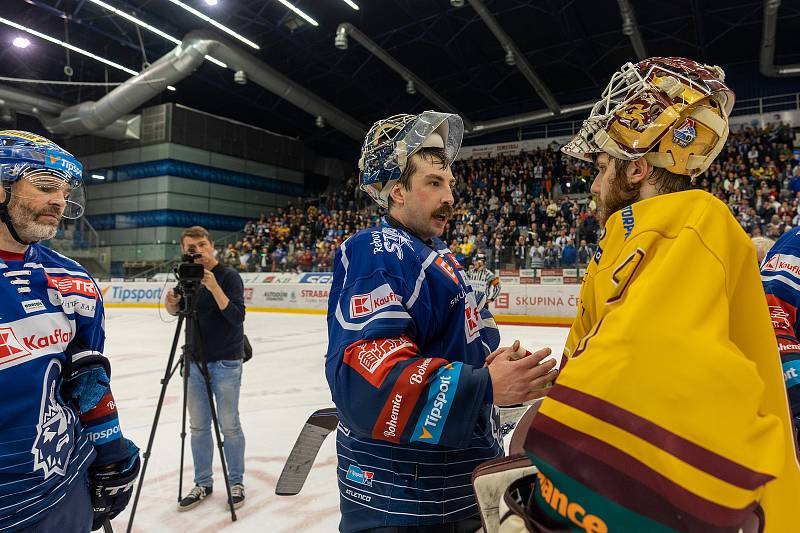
672, 413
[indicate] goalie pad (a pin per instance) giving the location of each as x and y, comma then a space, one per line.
490, 481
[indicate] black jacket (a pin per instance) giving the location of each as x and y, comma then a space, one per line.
221, 332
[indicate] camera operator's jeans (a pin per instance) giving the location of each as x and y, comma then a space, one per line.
226, 379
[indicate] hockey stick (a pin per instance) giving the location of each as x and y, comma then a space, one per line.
318, 426
107, 527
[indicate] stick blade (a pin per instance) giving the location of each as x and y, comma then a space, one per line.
318, 426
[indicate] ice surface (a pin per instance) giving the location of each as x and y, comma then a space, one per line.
281, 386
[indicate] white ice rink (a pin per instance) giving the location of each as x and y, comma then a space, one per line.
281, 386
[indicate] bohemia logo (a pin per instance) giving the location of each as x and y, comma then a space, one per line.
54, 441
10, 347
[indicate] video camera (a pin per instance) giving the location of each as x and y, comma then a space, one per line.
188, 273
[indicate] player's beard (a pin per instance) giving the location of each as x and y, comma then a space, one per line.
620, 193
26, 222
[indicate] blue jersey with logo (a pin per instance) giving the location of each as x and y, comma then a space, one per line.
780, 273
407, 345
51, 326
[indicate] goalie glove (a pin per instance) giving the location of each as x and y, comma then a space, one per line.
112, 486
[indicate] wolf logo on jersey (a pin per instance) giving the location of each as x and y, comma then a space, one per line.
54, 441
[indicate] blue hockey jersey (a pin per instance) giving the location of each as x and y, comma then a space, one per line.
780, 273
51, 326
406, 347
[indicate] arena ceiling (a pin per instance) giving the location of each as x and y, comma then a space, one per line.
572, 46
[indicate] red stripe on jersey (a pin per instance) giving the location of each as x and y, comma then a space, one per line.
404, 396
783, 315
104, 407
70, 285
375, 358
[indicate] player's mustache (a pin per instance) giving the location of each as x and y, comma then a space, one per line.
446, 210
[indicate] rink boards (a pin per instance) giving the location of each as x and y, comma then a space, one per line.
532, 304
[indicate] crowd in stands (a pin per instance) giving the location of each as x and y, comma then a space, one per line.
529, 210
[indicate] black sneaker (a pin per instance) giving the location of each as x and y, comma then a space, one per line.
193, 499
237, 495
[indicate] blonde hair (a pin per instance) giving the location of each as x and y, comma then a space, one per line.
763, 246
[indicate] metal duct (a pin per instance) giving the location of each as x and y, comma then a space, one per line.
631, 28
48, 110
516, 121
521, 63
767, 64
91, 117
345, 28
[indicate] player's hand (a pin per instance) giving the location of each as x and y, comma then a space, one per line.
209, 281
112, 486
520, 380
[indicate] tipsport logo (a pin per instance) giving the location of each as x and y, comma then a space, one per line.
360, 476
433, 416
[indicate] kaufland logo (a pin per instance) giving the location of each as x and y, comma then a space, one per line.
366, 304
778, 262
10, 347
36, 342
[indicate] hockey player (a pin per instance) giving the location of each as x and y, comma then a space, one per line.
408, 343
780, 273
671, 414
64, 464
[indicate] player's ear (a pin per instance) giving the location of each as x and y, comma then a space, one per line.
638, 170
397, 193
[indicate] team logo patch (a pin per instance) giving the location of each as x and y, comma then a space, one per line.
54, 441
390, 240
685, 135
374, 359
31, 306
10, 347
359, 475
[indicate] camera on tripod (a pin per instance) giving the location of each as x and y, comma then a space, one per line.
188, 272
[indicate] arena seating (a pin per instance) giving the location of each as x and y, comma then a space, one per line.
528, 210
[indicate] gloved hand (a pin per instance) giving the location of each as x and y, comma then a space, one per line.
112, 486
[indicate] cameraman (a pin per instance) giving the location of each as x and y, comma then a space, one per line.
219, 340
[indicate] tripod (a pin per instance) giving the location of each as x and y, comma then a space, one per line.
189, 314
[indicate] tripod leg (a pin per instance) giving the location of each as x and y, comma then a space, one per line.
218, 435
164, 382
186, 366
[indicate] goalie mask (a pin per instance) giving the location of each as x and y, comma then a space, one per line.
392, 141
671, 110
45, 165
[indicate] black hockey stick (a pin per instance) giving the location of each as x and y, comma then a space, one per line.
318, 426
107, 527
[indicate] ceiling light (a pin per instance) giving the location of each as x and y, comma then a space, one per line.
340, 40
171, 88
68, 46
457, 3
147, 26
98, 176
510, 58
212, 2
351, 4
21, 42
296, 10
410, 88
216, 24
319, 122
240, 77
